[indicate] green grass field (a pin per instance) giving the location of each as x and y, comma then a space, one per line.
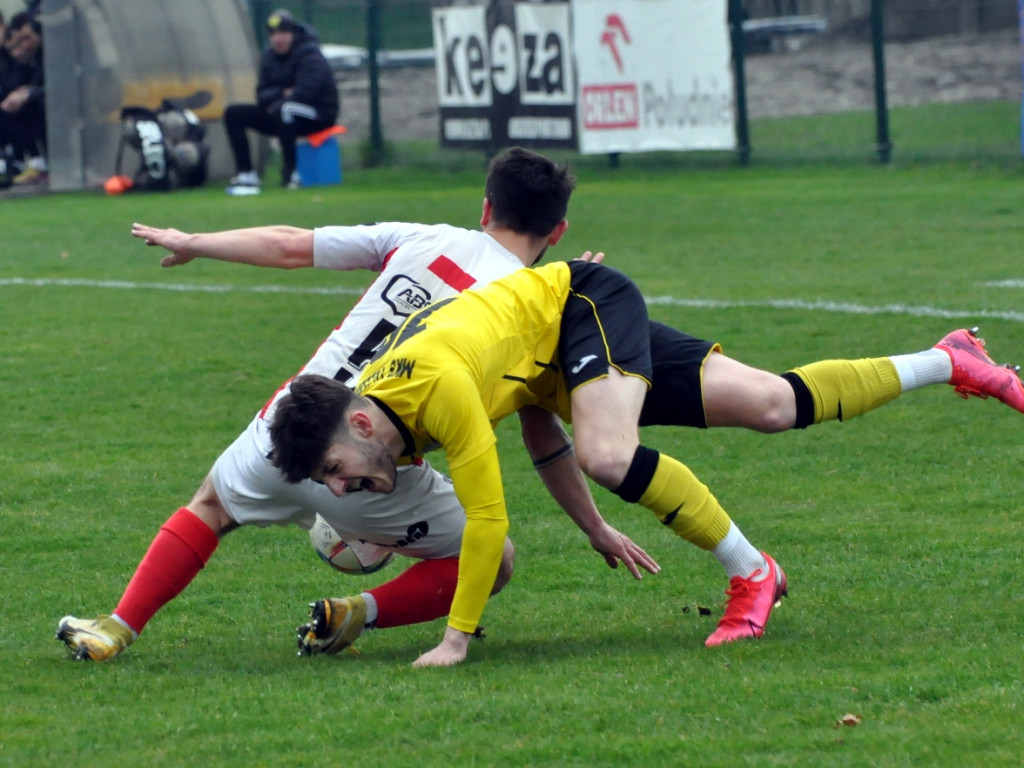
901, 532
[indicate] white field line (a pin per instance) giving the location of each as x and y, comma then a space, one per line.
126, 285
1015, 283
840, 307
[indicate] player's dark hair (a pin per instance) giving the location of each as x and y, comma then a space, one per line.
528, 192
305, 423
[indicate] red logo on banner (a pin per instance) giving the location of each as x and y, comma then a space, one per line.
611, 106
613, 29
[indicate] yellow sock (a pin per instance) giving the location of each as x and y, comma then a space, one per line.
842, 389
684, 504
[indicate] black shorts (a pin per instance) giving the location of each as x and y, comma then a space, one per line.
604, 323
676, 397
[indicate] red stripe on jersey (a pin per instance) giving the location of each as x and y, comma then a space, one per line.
266, 407
451, 273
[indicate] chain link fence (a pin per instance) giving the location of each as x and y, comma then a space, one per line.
952, 79
405, 23
952, 75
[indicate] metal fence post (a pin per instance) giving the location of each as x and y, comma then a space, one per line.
259, 10
736, 15
882, 143
373, 45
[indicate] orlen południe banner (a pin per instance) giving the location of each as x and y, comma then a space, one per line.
505, 75
653, 75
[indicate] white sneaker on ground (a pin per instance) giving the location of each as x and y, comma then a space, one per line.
245, 183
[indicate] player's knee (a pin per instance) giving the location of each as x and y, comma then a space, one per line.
776, 416
506, 568
778, 410
605, 463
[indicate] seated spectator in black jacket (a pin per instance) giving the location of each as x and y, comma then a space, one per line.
8, 74
295, 96
23, 102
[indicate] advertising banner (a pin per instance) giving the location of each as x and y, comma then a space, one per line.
601, 76
505, 75
653, 75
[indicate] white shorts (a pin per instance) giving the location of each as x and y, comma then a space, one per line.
421, 518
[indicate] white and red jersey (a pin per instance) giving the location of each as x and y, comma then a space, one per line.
418, 264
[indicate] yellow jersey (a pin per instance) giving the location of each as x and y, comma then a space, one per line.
455, 369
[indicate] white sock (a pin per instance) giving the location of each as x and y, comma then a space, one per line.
371, 609
738, 556
123, 623
933, 366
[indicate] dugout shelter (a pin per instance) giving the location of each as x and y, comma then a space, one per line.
102, 55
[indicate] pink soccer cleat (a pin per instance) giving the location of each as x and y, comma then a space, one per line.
750, 604
975, 373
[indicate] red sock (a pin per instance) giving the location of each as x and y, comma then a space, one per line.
181, 549
423, 592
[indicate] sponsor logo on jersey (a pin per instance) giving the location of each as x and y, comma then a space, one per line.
404, 295
413, 533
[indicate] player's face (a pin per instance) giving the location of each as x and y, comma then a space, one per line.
360, 464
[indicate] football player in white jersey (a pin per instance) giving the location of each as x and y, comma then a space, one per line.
526, 198
694, 385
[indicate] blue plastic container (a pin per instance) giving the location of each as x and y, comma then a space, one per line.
318, 166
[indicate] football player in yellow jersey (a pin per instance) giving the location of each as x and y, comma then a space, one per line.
575, 340
572, 338
694, 385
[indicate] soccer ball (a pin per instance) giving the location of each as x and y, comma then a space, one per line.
339, 555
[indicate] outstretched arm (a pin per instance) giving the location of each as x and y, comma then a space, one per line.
553, 456
275, 246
